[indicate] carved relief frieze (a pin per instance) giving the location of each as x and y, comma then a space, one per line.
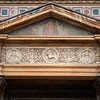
42, 55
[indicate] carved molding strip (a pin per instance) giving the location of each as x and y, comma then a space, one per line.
42, 55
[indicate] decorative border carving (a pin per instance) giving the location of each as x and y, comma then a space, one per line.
42, 55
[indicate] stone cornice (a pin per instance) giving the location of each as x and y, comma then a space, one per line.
89, 39
68, 40
78, 71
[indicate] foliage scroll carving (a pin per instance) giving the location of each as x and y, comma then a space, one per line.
42, 55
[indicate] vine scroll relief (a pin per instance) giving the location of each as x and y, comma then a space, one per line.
42, 55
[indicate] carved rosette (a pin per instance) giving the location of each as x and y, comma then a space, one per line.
42, 55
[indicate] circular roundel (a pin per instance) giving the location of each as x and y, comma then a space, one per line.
13, 11
87, 11
50, 55
87, 56
13, 56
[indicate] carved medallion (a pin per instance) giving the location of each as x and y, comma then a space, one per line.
87, 56
13, 56
50, 55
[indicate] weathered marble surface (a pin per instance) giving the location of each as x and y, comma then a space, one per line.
50, 27
46, 55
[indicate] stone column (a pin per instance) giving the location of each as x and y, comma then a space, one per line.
2, 87
97, 87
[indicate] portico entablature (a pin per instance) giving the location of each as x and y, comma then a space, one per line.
50, 41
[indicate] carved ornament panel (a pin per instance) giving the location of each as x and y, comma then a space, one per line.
42, 55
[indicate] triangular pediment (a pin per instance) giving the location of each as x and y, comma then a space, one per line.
61, 21
50, 27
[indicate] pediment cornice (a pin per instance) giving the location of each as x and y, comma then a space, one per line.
50, 10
